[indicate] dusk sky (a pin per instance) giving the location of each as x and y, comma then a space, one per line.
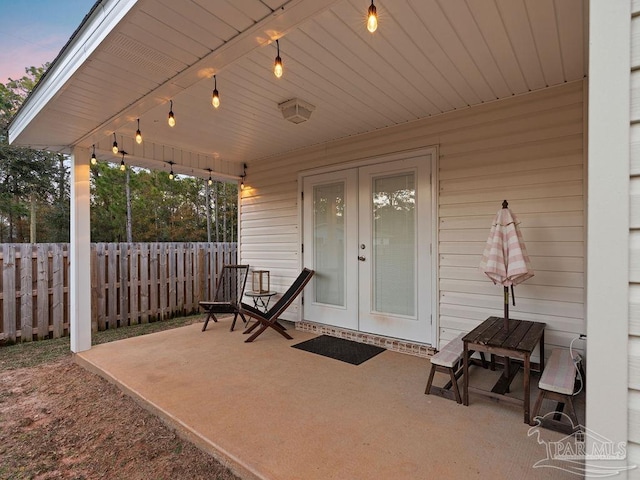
32, 32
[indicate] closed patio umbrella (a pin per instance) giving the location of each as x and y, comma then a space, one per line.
505, 260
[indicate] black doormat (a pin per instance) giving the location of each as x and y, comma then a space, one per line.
344, 350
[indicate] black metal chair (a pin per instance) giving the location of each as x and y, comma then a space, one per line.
270, 318
229, 291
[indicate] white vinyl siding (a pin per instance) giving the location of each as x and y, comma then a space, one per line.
634, 243
527, 149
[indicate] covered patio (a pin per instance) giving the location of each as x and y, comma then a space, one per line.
270, 411
517, 99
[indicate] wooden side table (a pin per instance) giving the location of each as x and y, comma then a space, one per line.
261, 300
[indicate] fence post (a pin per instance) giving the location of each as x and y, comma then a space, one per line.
57, 307
9, 291
26, 292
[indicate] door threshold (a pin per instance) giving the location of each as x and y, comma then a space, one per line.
394, 344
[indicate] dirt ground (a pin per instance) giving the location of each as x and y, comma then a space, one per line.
58, 421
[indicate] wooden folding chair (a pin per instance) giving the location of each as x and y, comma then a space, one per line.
229, 291
270, 318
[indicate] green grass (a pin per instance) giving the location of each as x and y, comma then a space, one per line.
31, 354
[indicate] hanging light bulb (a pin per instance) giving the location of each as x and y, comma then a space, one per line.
215, 98
171, 174
123, 167
277, 66
115, 148
172, 119
138, 134
244, 174
372, 18
94, 160
210, 181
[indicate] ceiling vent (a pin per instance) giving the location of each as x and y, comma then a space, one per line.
296, 110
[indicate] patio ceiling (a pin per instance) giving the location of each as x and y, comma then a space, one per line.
129, 58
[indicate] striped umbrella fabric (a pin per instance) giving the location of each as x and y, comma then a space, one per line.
505, 260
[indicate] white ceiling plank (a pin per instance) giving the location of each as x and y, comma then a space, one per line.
254, 9
446, 36
227, 13
201, 17
436, 54
516, 21
152, 33
571, 25
467, 30
542, 17
435, 85
173, 18
487, 16
274, 4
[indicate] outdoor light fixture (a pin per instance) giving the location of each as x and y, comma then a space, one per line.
171, 174
372, 18
138, 134
210, 181
215, 98
172, 119
94, 160
277, 66
296, 110
115, 148
123, 167
244, 174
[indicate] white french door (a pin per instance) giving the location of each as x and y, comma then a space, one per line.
367, 234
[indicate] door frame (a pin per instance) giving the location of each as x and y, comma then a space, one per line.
433, 151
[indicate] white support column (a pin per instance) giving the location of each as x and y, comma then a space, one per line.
608, 224
80, 252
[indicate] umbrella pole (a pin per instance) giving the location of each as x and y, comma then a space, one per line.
506, 308
507, 360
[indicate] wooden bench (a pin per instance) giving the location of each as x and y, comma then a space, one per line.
557, 383
449, 361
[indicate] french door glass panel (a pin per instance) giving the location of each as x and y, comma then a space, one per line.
329, 243
394, 259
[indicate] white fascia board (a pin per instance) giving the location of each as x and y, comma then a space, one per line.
101, 23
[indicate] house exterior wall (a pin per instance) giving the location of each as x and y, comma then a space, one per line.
634, 242
528, 149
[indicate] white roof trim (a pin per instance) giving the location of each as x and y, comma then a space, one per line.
102, 21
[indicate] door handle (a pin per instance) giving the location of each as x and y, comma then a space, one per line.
361, 258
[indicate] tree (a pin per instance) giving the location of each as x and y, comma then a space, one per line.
32, 182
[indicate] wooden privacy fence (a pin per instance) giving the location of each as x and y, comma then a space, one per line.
130, 284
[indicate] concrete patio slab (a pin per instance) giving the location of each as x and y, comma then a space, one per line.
270, 411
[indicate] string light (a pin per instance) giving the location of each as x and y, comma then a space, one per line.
172, 119
244, 174
372, 18
94, 160
277, 66
115, 148
123, 167
210, 181
215, 97
138, 134
171, 174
